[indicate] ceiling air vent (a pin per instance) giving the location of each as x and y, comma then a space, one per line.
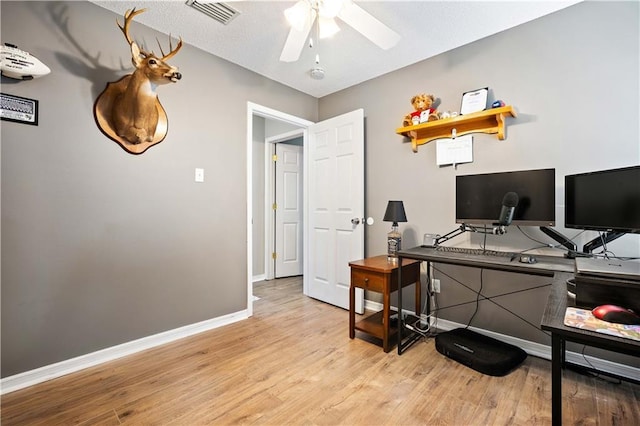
221, 12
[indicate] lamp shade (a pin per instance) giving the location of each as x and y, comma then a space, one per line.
395, 212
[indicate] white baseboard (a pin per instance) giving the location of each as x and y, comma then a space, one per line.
48, 372
257, 278
373, 306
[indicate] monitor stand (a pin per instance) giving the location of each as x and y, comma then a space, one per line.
557, 236
601, 240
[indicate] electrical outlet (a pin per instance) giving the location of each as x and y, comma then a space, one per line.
435, 285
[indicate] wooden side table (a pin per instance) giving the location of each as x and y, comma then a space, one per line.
379, 275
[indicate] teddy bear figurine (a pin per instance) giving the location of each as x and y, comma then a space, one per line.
424, 111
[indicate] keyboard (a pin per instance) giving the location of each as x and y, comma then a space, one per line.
477, 252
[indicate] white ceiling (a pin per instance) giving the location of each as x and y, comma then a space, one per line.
254, 39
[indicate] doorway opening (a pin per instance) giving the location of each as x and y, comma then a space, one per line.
333, 202
263, 123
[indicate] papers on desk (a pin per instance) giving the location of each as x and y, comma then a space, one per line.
454, 151
584, 319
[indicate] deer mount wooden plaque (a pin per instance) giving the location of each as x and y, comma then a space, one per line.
128, 111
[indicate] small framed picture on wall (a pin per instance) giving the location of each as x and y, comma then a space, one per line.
18, 109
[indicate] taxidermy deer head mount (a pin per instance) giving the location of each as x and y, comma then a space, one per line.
128, 110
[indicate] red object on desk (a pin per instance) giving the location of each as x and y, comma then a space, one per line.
615, 314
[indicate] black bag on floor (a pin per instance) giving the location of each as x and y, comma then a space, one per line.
479, 352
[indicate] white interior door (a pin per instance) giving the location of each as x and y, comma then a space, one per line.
288, 210
335, 159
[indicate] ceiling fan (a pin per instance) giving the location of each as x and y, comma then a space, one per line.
304, 13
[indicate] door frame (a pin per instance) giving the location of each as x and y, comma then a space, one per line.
269, 195
254, 109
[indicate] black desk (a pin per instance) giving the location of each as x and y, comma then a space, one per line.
550, 266
560, 269
553, 321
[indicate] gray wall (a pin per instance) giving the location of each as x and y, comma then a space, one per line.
101, 247
573, 78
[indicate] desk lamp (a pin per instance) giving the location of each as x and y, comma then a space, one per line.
395, 213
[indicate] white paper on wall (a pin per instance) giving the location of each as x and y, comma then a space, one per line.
454, 151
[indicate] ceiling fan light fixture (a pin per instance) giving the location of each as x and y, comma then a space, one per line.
329, 8
302, 17
328, 27
297, 15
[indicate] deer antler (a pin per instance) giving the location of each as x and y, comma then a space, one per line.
128, 17
172, 50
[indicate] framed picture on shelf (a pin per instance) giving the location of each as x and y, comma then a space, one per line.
474, 101
18, 109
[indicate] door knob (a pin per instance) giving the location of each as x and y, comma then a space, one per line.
368, 221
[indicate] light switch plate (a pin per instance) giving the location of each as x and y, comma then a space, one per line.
199, 175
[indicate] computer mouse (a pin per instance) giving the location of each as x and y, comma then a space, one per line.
616, 314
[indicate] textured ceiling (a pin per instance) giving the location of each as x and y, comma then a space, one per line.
254, 39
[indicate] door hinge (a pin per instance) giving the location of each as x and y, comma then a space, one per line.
274, 157
275, 206
274, 255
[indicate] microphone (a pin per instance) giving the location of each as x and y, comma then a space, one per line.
509, 203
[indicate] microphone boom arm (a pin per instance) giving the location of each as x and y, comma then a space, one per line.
496, 230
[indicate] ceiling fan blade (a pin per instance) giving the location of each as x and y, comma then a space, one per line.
368, 26
296, 40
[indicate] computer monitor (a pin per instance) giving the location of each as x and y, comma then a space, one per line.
605, 200
479, 197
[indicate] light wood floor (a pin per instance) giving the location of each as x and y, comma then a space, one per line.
293, 363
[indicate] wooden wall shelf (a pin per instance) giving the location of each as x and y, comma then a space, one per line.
490, 121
